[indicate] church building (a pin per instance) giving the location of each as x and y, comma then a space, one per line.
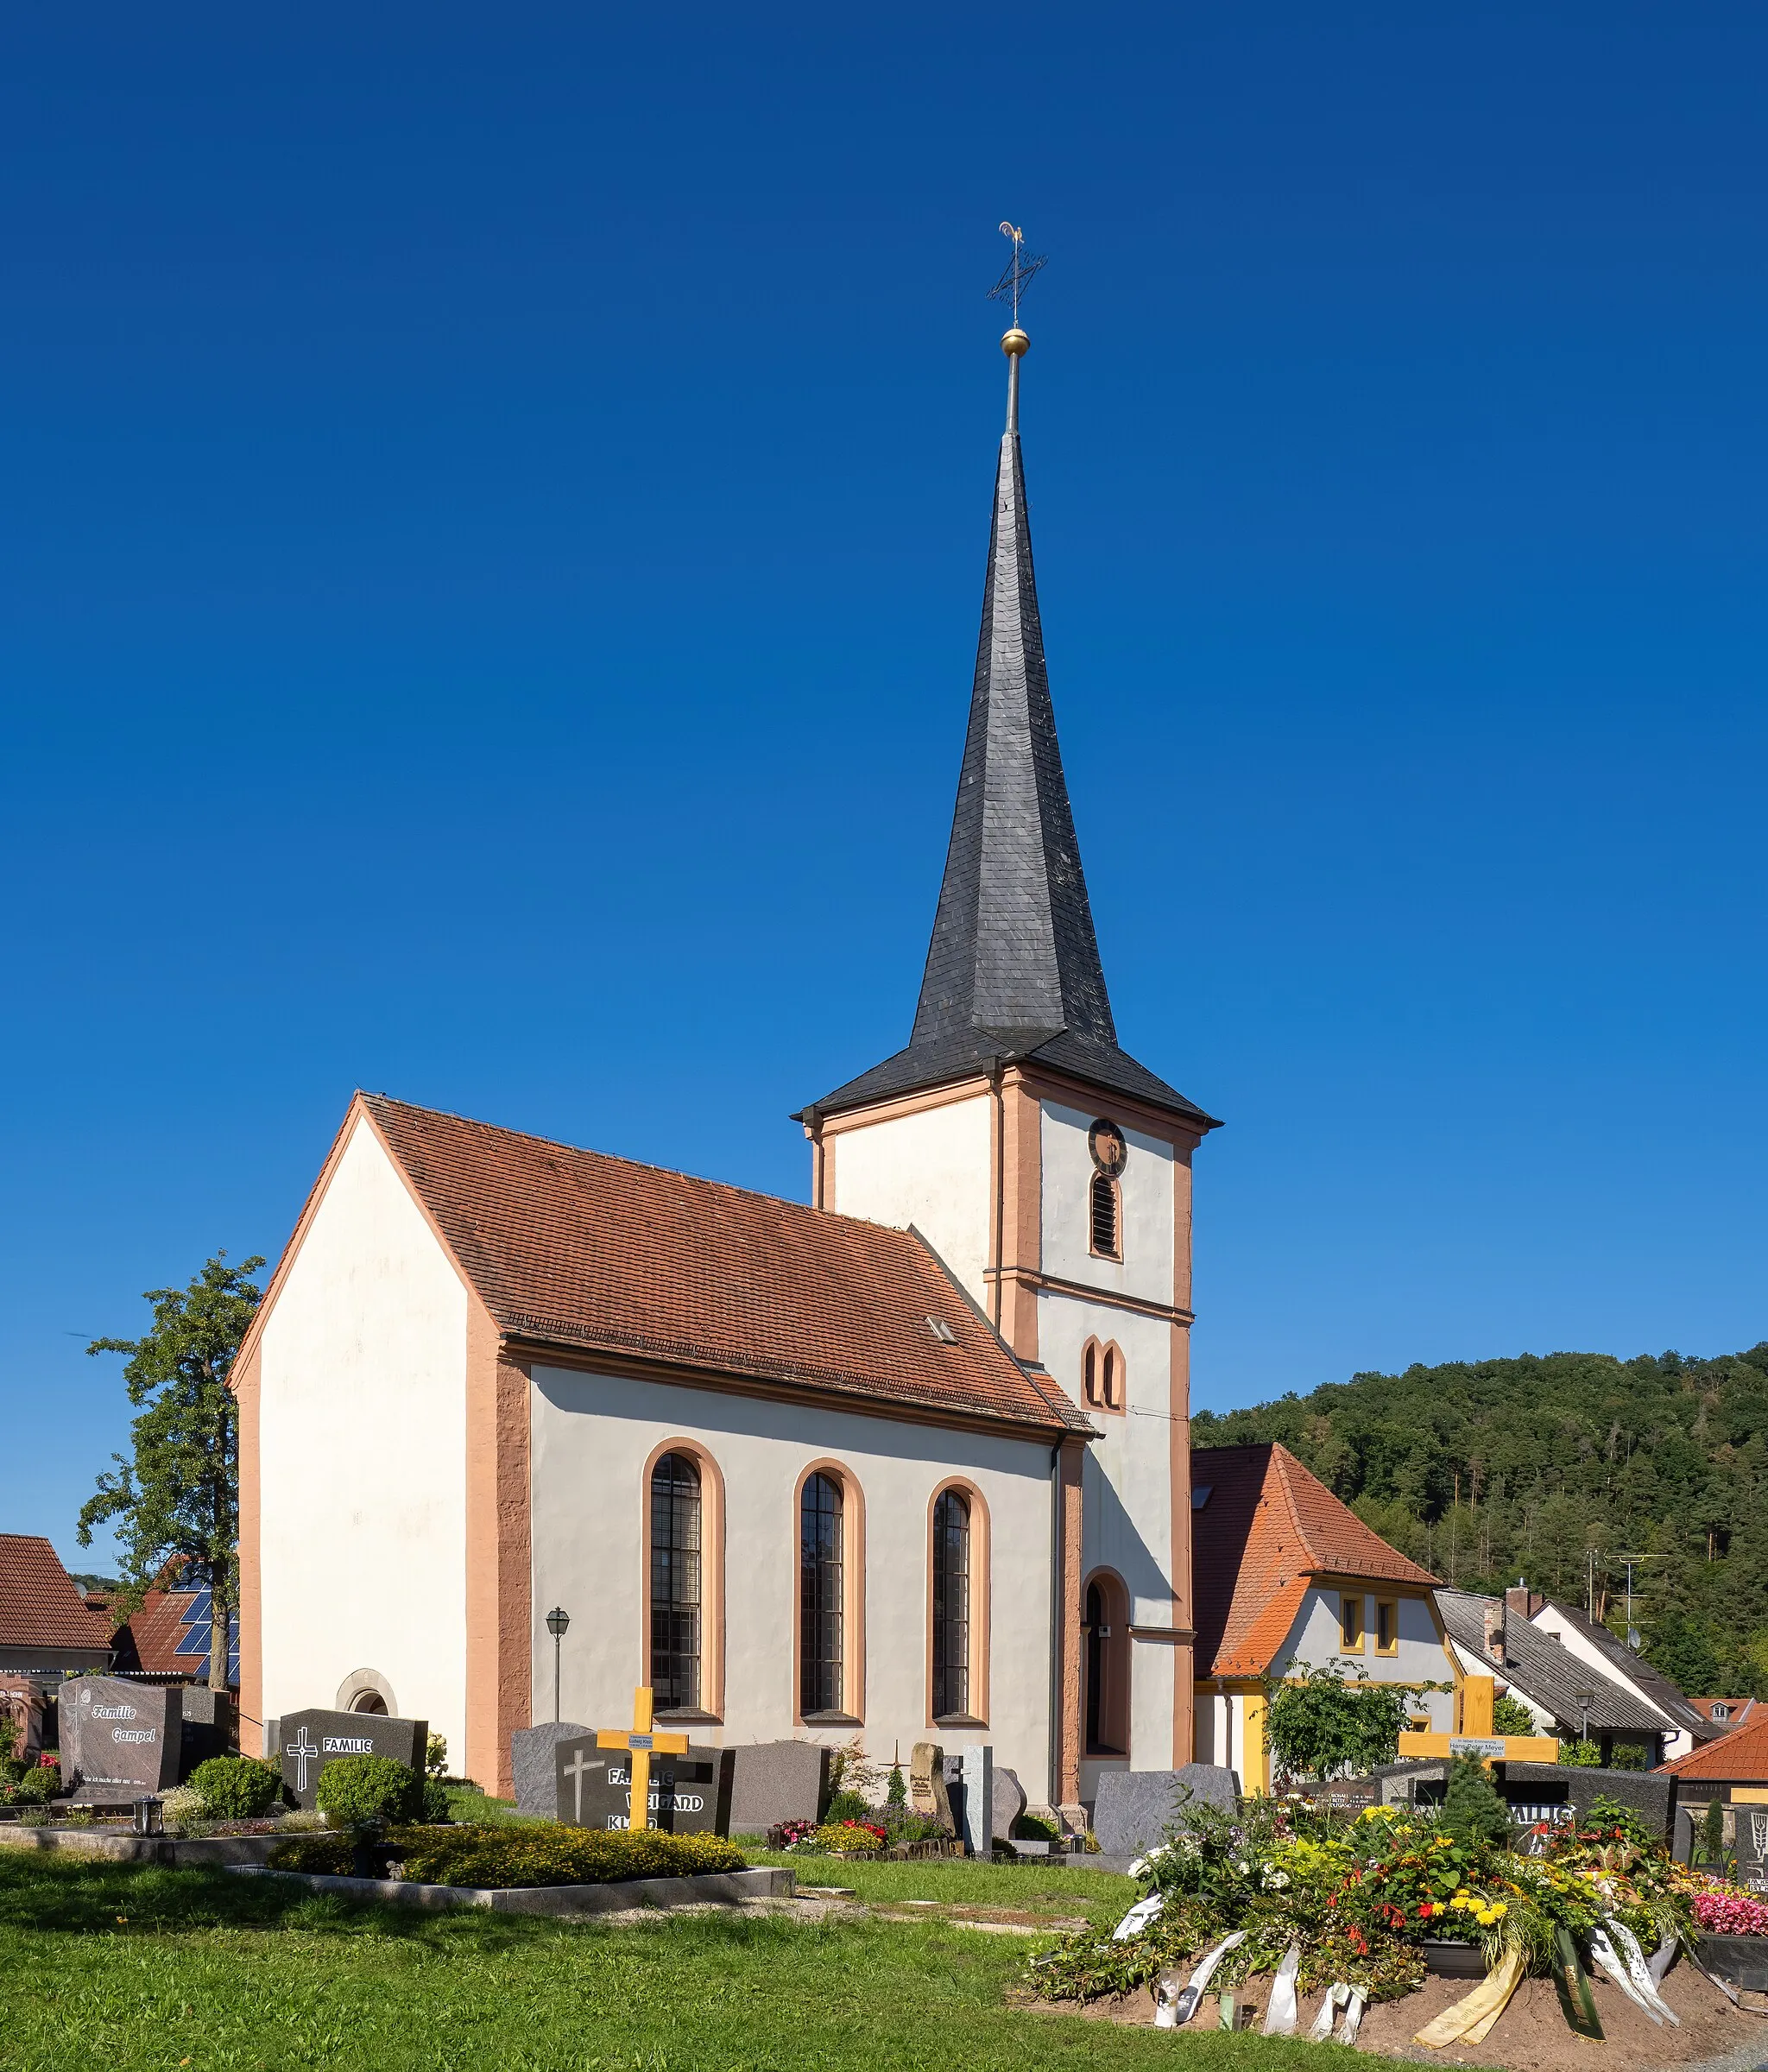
910, 1463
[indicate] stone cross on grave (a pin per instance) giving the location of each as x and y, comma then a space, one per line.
304, 1752
640, 1744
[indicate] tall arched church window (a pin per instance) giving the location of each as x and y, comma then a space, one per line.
676, 1583
822, 1658
1110, 1153
951, 1606
1106, 1629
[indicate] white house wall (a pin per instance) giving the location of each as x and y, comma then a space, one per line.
362, 1446
931, 1169
592, 1436
1474, 1665
1676, 1740
1419, 1657
1146, 1215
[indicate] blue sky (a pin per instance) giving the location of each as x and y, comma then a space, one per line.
495, 513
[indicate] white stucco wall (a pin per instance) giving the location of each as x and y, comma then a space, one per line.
935, 1170
592, 1436
1145, 1190
1419, 1659
362, 1456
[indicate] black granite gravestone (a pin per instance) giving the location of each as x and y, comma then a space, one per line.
689, 1794
1752, 1831
126, 1737
309, 1740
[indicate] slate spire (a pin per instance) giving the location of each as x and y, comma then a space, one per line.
1013, 952
1012, 970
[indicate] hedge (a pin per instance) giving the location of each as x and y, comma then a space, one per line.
359, 1788
498, 1857
236, 1787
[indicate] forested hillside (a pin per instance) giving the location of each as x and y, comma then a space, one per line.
1553, 1469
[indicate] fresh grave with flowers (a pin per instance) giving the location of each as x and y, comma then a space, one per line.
1356, 1912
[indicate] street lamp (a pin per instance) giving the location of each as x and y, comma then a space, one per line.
556, 1620
1585, 1698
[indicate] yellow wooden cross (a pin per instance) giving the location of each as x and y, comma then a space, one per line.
641, 1743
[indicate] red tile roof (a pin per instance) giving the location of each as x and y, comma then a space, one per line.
1737, 1758
152, 1634
573, 1248
1737, 1712
1266, 1529
39, 1605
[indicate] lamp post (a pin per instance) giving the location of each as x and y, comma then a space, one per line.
556, 1620
1584, 1698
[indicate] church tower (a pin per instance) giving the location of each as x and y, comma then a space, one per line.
1051, 1172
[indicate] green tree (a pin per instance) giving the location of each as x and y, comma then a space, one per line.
1323, 1725
1685, 1655
177, 1498
1510, 1716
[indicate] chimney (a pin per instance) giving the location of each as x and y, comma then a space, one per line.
1523, 1601
1494, 1617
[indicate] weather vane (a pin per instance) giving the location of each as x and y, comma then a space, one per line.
1020, 268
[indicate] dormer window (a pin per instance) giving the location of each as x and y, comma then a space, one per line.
1110, 1154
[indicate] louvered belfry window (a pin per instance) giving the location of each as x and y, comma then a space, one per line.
675, 1582
821, 1662
1104, 1206
951, 1606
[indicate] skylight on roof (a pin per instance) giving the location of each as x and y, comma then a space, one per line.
942, 1330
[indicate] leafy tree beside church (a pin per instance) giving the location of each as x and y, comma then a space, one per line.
176, 1499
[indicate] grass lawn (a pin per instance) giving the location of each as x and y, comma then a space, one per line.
110, 1965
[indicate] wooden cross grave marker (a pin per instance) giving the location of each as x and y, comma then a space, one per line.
641, 1743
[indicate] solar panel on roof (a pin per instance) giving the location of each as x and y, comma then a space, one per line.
194, 1641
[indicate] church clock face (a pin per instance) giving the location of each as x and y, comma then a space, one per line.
1105, 1141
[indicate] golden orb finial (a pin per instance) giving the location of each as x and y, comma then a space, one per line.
1015, 344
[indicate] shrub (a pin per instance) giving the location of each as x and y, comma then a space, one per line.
844, 1806
181, 1810
437, 1804
37, 1786
360, 1788
436, 1755
1510, 1716
849, 1837
1029, 1828
501, 1857
895, 1792
1472, 1811
236, 1787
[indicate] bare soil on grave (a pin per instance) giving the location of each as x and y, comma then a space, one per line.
1530, 2035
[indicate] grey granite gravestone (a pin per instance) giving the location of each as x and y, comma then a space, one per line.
1009, 1802
690, 1793
969, 1785
127, 1738
536, 1773
773, 1781
1134, 1807
312, 1741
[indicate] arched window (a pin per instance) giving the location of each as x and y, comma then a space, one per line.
1101, 1375
822, 1653
1104, 1216
1105, 1627
951, 1606
676, 1599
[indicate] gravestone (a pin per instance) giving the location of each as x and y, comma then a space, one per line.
969, 1785
927, 1795
1134, 1807
310, 1740
1009, 1802
536, 1772
206, 1726
773, 1781
127, 1738
690, 1793
1752, 1847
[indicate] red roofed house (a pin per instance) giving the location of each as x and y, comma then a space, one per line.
855, 1468
1735, 1767
46, 1628
1287, 1578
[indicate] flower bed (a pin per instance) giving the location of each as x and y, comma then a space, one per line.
502, 1858
1362, 1897
1728, 1910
